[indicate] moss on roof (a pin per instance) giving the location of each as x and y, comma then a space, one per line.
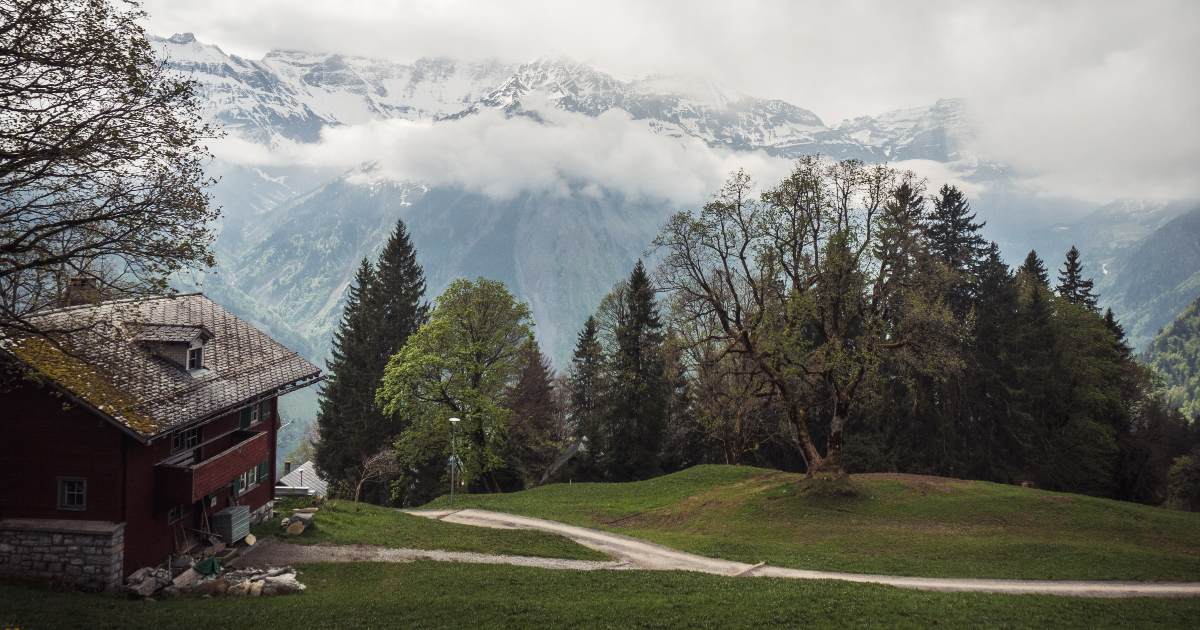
82, 380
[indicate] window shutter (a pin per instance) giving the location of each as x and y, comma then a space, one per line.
245, 419
262, 471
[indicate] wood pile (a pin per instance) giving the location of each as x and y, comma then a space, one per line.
300, 520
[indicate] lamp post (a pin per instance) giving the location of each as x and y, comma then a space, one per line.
453, 457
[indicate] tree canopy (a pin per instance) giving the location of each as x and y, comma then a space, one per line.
461, 363
101, 158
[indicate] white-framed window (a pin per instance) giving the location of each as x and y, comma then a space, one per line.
195, 358
254, 414
72, 493
250, 479
185, 439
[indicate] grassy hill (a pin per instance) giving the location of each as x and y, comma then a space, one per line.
348, 523
902, 525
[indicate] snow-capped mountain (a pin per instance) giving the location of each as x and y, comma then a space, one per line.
292, 234
294, 94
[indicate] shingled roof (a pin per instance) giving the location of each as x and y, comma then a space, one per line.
104, 364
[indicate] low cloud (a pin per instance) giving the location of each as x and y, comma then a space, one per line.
503, 156
553, 151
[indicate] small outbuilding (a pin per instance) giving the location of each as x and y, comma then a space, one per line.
301, 481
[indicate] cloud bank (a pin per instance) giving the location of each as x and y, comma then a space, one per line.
559, 152
502, 156
1092, 98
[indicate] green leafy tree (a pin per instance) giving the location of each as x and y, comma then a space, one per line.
1184, 486
793, 281
461, 363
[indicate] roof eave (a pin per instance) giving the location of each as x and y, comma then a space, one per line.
300, 383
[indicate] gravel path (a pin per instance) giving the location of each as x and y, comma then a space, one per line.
644, 555
271, 552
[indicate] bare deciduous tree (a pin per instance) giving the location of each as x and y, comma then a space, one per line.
798, 287
375, 467
101, 161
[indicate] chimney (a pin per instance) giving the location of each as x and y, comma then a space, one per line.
287, 466
81, 290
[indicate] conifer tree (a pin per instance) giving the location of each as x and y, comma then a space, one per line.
383, 308
586, 397
1034, 269
347, 399
638, 398
1118, 331
1071, 284
397, 298
995, 434
955, 240
534, 427
1040, 385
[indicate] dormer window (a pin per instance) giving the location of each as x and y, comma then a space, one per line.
181, 344
195, 358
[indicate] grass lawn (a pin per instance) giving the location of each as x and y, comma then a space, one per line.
422, 595
902, 525
347, 523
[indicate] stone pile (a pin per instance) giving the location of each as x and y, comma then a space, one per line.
147, 581
151, 581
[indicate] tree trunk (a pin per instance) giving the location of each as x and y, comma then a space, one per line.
831, 464
803, 439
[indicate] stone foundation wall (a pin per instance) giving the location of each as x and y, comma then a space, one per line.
262, 513
85, 554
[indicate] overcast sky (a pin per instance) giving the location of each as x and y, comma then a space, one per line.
1088, 94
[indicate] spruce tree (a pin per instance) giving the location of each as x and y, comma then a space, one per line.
586, 398
996, 434
1034, 269
955, 240
1071, 284
397, 297
1120, 344
535, 425
384, 307
1041, 388
347, 398
638, 399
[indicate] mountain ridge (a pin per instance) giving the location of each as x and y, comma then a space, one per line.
293, 234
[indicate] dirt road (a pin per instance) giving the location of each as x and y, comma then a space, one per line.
644, 555
271, 552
